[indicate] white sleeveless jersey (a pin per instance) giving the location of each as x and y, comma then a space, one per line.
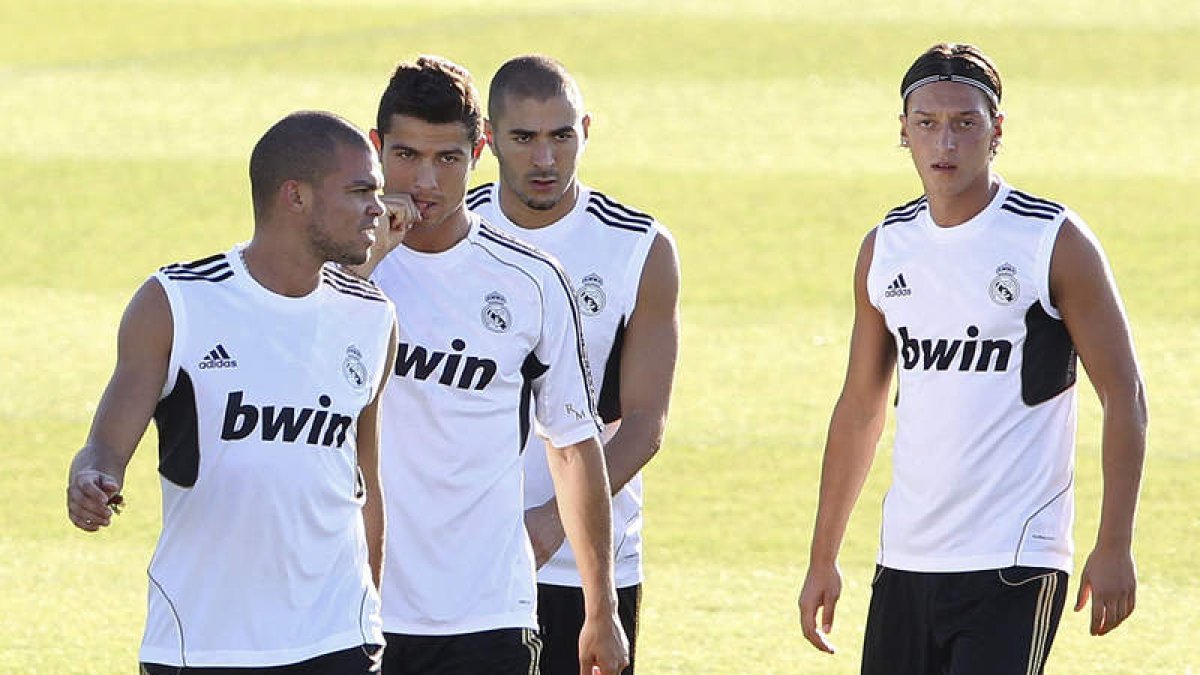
489, 330
603, 245
986, 408
262, 558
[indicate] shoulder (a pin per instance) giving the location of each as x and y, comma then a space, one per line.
1028, 206
341, 281
616, 215
212, 269
518, 253
480, 196
904, 213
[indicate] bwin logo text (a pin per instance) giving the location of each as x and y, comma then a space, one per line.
472, 373
242, 419
979, 355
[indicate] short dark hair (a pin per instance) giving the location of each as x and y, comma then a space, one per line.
434, 90
531, 76
302, 146
955, 61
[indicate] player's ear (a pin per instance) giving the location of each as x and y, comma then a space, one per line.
903, 131
295, 195
377, 140
586, 123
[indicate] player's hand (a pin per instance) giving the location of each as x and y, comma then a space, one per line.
1110, 579
821, 590
91, 496
546, 532
603, 649
400, 215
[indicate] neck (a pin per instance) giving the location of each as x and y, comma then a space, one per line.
522, 215
291, 273
441, 236
949, 210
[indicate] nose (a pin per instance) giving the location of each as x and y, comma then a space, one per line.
426, 177
375, 208
946, 138
543, 155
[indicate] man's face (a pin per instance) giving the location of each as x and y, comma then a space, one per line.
951, 133
430, 162
538, 144
345, 205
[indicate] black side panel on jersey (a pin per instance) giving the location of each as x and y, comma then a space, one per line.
1048, 362
531, 370
609, 405
179, 433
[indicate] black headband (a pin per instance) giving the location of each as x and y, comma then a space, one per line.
948, 70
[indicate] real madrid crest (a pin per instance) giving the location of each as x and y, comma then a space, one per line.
1005, 289
495, 315
591, 295
354, 370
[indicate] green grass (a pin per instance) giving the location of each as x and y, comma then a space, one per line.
763, 133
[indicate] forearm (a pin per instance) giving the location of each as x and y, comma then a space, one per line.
1122, 456
585, 509
633, 446
375, 527
849, 452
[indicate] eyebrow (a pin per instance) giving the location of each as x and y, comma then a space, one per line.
531, 132
370, 184
932, 114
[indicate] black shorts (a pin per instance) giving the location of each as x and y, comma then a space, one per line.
560, 618
990, 622
362, 660
505, 651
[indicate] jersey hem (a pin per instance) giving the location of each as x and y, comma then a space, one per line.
474, 625
256, 658
568, 578
914, 563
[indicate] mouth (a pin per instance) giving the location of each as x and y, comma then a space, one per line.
543, 183
424, 206
943, 166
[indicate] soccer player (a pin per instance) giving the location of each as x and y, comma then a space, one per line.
981, 296
262, 368
626, 274
489, 329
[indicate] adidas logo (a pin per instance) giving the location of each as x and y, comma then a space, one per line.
898, 288
217, 357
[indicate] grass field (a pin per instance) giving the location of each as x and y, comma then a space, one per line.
762, 132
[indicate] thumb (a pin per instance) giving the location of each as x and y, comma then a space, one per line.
1085, 592
108, 484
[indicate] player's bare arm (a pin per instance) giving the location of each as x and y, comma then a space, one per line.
143, 352
1082, 287
581, 483
374, 522
854, 431
648, 360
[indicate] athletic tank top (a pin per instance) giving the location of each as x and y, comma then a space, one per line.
986, 408
262, 558
603, 245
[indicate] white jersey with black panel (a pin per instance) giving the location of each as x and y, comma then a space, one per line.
603, 246
983, 460
262, 558
489, 332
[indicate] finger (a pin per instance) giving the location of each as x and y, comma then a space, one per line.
827, 616
88, 507
1097, 625
1085, 592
